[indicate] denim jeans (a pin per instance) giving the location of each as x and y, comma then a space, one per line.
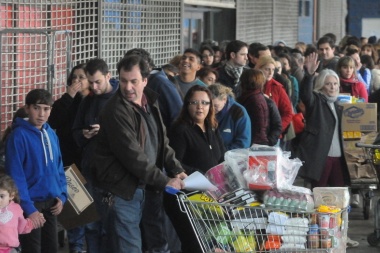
95, 232
75, 237
152, 225
124, 218
44, 239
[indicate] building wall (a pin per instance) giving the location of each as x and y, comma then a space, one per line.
359, 10
331, 16
305, 21
267, 21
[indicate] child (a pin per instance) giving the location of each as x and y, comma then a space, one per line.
12, 221
33, 159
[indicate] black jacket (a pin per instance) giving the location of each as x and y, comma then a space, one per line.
119, 161
61, 119
197, 151
315, 141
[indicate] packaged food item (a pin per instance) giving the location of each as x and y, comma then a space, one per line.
240, 242
326, 243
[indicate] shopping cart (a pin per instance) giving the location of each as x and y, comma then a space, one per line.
372, 153
366, 186
231, 228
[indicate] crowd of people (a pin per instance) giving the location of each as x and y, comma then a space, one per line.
148, 128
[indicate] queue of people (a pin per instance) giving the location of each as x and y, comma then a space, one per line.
149, 128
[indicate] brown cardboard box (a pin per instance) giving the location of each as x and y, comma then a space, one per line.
79, 208
359, 117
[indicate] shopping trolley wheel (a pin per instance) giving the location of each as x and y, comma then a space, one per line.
373, 240
367, 207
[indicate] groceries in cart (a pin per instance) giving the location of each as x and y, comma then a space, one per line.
256, 208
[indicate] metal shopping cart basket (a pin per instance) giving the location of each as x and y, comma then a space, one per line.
231, 228
366, 186
372, 153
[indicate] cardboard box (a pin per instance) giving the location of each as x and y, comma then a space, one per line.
359, 117
79, 208
331, 196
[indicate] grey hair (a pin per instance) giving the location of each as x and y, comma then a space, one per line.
320, 81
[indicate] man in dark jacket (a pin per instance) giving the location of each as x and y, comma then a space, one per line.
236, 56
85, 129
132, 148
158, 235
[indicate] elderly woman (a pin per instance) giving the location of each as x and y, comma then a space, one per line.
199, 147
234, 123
320, 144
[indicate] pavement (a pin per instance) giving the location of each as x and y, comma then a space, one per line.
359, 228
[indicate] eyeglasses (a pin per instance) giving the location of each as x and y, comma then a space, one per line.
197, 102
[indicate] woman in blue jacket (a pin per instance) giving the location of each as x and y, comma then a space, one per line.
234, 123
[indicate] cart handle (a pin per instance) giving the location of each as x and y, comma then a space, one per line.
362, 145
171, 190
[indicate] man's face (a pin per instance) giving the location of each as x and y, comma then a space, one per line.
262, 53
189, 64
99, 83
240, 58
38, 114
325, 51
132, 84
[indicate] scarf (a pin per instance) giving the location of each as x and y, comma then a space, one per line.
329, 98
233, 71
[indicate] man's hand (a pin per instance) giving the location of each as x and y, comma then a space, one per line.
57, 208
176, 183
37, 218
181, 175
91, 133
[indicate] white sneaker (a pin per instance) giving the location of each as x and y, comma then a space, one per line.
351, 243
355, 200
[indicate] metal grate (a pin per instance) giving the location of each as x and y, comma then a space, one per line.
104, 28
267, 21
149, 24
30, 59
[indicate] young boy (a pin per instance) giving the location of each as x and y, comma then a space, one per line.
33, 160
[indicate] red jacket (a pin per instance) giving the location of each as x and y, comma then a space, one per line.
354, 87
277, 93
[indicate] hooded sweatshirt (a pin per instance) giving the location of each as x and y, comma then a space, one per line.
33, 159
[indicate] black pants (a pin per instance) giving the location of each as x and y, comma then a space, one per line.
44, 239
182, 225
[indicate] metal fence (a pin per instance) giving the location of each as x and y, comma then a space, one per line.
100, 28
30, 59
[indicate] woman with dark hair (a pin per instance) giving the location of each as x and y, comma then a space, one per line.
367, 62
207, 55
266, 124
61, 119
208, 75
199, 147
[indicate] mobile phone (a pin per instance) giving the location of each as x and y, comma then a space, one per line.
89, 127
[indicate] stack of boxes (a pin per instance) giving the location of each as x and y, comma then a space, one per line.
358, 119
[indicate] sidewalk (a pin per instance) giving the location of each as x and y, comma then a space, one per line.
359, 229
